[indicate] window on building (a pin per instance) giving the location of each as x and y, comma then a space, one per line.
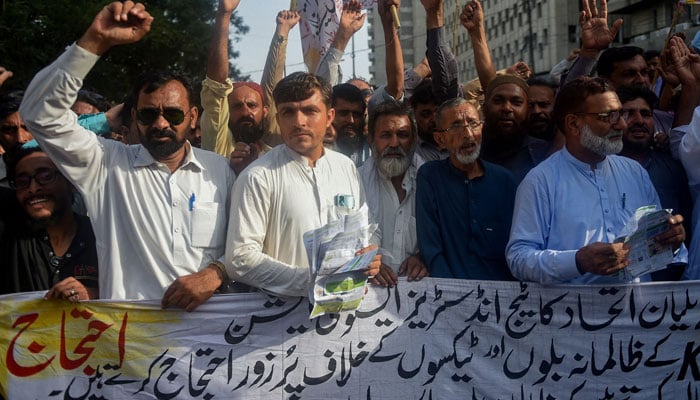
539, 10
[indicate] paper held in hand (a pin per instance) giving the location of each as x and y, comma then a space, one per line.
337, 274
646, 255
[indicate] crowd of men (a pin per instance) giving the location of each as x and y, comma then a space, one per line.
505, 177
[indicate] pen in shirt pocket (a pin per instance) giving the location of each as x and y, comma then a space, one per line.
624, 200
192, 199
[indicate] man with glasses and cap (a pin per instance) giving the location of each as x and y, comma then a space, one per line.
159, 209
571, 207
463, 204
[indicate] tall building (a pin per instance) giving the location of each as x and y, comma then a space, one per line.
539, 32
412, 35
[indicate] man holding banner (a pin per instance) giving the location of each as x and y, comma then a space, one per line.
158, 209
570, 209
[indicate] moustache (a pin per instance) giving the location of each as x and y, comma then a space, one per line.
638, 127
161, 133
246, 119
396, 151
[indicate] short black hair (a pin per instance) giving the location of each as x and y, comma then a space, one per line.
423, 93
629, 93
149, 82
390, 107
300, 86
349, 93
543, 81
614, 55
9, 102
94, 99
573, 95
649, 54
12, 159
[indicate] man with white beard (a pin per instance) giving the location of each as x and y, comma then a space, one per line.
571, 207
389, 178
464, 205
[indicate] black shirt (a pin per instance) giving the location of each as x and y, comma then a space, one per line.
27, 260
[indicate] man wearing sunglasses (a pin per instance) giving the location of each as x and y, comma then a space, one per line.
158, 208
44, 244
463, 204
571, 207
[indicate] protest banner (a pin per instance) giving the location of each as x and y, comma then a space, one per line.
319, 21
433, 339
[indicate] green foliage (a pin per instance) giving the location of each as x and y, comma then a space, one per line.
33, 33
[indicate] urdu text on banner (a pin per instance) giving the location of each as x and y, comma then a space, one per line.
437, 338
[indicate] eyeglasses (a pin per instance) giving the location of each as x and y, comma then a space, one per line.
147, 116
643, 112
471, 125
609, 117
42, 176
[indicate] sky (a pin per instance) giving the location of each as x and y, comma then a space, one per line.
254, 45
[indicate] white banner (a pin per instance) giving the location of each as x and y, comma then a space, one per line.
434, 339
319, 22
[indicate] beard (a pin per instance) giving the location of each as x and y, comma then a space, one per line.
247, 133
603, 146
161, 149
393, 166
349, 143
468, 158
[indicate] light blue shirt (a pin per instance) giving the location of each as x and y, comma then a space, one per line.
563, 205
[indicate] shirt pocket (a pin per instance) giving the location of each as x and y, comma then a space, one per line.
208, 222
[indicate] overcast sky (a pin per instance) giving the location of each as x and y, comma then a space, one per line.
260, 15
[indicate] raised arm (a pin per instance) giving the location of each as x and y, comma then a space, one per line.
683, 64
274, 64
351, 21
443, 63
472, 19
48, 98
596, 36
216, 87
394, 54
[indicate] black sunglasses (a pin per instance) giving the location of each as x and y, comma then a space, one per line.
43, 176
147, 116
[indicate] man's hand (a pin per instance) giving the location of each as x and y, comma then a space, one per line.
243, 155
431, 5
386, 277
602, 258
520, 69
190, 291
117, 23
375, 265
682, 63
228, 6
674, 235
72, 290
472, 17
595, 34
286, 20
351, 19
414, 268
384, 10
4, 75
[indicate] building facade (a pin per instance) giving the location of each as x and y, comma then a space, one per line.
539, 32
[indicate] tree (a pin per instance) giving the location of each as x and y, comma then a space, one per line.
33, 33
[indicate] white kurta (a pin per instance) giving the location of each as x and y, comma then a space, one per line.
277, 199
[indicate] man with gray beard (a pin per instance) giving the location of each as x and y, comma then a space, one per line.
389, 178
571, 207
464, 205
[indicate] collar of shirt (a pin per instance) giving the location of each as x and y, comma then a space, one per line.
580, 165
144, 158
